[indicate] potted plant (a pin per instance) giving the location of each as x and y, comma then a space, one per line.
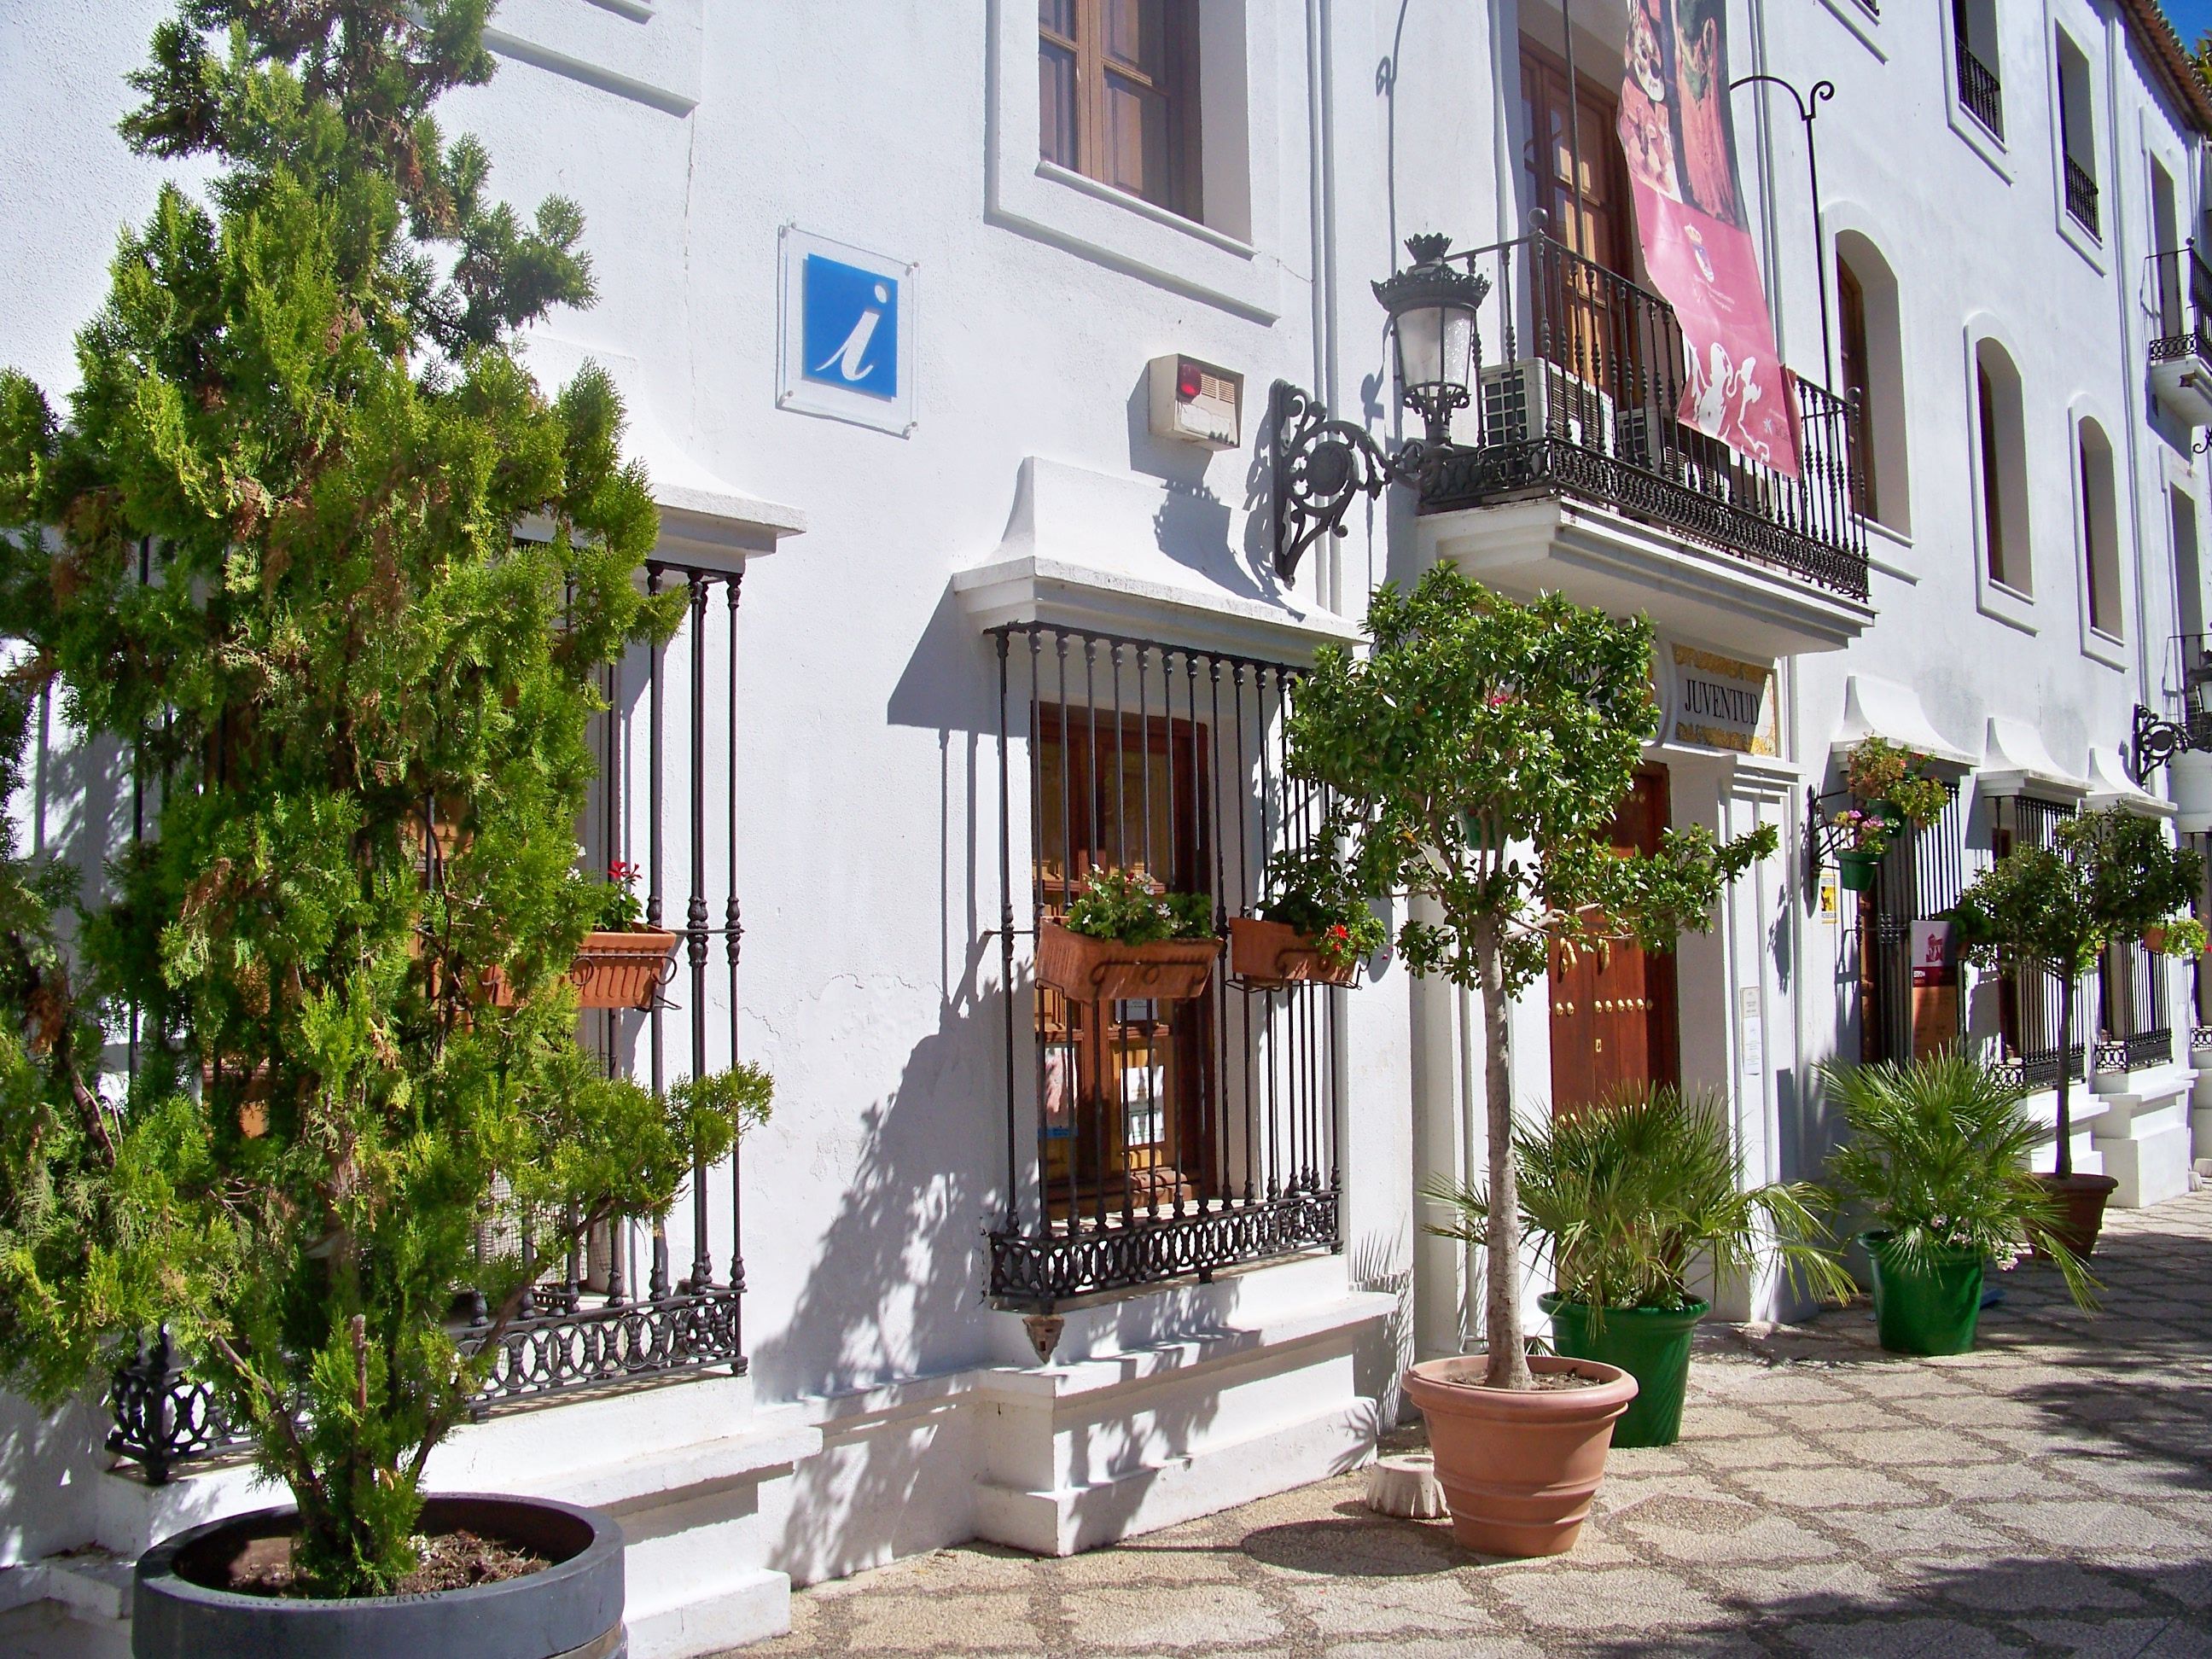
303, 407
1476, 754
2182, 936
1125, 936
2051, 911
1631, 1201
1894, 782
621, 963
1862, 837
1315, 926
1936, 1157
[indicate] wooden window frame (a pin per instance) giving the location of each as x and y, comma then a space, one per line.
1177, 85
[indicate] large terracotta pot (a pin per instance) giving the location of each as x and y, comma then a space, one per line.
1519, 1467
1276, 953
2080, 1200
1107, 970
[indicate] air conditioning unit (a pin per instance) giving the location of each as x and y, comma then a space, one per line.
1526, 402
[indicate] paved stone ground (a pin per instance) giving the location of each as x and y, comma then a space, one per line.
2049, 1493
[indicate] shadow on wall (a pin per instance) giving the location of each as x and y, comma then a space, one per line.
50, 1468
1382, 1263
1193, 525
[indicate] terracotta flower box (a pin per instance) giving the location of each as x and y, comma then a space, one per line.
612, 969
1276, 953
1106, 970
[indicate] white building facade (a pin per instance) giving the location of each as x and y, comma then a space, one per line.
951, 338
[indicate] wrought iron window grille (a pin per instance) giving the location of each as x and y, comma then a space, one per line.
1575, 390
1979, 92
1918, 876
618, 1310
1152, 1140
2081, 197
2181, 285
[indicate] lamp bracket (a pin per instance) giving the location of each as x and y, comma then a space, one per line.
1319, 464
2158, 740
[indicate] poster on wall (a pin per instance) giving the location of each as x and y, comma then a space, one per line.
1934, 988
1679, 131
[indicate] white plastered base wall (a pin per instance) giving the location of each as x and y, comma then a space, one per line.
1155, 1410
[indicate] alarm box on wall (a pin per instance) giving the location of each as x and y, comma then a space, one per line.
1196, 402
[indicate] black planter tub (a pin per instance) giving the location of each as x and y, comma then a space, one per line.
570, 1610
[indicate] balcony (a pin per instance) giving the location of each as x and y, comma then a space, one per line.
1571, 473
2181, 354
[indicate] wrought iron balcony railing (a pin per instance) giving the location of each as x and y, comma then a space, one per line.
1581, 376
2181, 294
622, 1308
1978, 90
2081, 197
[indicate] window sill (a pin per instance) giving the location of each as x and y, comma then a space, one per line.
1137, 204
2008, 605
1881, 534
1979, 138
2106, 648
1862, 24
2078, 236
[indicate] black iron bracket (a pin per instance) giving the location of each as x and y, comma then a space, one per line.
2157, 740
1319, 464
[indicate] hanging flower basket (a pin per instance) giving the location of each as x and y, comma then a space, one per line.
1108, 970
1275, 953
612, 969
1854, 870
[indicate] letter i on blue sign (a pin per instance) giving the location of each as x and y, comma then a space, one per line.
852, 327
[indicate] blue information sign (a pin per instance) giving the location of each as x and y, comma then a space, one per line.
850, 337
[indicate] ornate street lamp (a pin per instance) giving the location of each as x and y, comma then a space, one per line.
1432, 304
1320, 464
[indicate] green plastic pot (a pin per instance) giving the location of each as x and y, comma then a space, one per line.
1854, 870
1652, 1345
1927, 1306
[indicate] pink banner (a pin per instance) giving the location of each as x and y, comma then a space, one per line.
1680, 136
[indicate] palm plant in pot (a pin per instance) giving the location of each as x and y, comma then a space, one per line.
270, 553
2050, 911
1633, 1201
1936, 1158
1477, 754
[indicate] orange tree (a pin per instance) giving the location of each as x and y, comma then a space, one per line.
1476, 754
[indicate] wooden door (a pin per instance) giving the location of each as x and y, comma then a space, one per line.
1582, 311
1613, 1024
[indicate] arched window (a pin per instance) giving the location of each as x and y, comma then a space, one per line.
2001, 446
1873, 379
2100, 531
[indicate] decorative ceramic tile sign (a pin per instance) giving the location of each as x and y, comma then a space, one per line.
846, 346
1723, 702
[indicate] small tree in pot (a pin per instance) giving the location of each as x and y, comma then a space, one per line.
2051, 911
271, 552
1477, 755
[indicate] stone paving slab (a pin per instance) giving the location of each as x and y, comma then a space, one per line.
2049, 1493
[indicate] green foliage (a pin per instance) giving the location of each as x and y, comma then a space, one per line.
2183, 936
1859, 831
2053, 910
1630, 1198
1129, 907
1476, 758
301, 407
1881, 772
1937, 1155
1314, 890
619, 909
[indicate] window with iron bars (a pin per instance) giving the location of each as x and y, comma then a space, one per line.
2027, 997
646, 1298
1920, 877
1150, 1139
